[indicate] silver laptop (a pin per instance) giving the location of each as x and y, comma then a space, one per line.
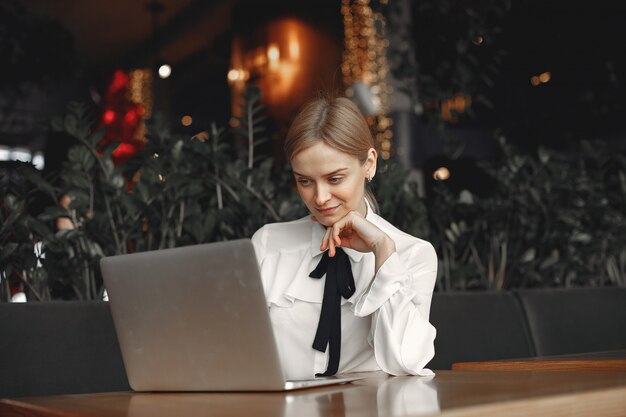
195, 319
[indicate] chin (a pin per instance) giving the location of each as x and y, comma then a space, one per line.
328, 220
321, 220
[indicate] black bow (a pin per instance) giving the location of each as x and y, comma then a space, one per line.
339, 283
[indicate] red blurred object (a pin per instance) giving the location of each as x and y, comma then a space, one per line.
130, 116
120, 82
122, 119
109, 116
125, 150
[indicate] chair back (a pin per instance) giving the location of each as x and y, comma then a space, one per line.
564, 321
63, 347
477, 326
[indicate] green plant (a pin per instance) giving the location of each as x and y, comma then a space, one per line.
553, 219
177, 191
93, 188
398, 198
19, 232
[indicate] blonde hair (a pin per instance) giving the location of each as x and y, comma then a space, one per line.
336, 122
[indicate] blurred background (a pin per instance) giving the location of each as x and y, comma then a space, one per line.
542, 72
505, 116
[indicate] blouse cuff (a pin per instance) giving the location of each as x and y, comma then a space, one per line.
391, 277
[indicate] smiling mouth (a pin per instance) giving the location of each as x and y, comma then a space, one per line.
328, 210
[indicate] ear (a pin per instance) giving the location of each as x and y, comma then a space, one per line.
370, 163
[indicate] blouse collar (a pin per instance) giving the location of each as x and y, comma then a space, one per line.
317, 233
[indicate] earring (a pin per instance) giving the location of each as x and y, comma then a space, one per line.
369, 177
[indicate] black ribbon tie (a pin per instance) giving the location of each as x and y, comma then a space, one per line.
339, 283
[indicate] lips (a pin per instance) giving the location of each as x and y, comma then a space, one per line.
327, 211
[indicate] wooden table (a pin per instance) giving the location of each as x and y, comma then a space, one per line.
614, 360
449, 393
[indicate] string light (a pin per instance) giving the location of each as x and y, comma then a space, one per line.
365, 60
140, 92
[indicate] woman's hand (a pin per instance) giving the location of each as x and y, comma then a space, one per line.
355, 232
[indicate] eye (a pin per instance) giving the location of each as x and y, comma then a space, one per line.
335, 180
303, 181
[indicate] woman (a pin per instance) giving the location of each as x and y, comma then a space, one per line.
347, 291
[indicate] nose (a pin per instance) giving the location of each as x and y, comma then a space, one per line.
322, 195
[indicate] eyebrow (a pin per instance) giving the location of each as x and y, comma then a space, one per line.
337, 171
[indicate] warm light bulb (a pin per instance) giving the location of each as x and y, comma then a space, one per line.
186, 120
478, 40
165, 71
441, 174
233, 75
273, 53
545, 77
294, 49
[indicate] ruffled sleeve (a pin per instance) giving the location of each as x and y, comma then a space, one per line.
399, 299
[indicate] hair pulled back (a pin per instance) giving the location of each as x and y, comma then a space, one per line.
336, 122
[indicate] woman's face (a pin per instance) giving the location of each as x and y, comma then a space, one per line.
330, 182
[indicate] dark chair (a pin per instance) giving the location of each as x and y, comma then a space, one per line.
566, 321
58, 348
478, 326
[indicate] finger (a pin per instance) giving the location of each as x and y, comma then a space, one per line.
336, 238
331, 242
325, 240
338, 228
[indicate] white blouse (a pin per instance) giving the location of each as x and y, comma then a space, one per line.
384, 325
